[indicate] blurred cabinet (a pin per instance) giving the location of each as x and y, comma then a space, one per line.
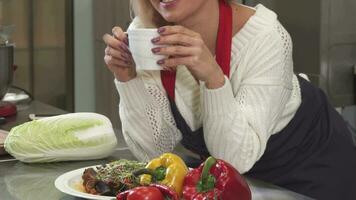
44, 48
21, 37
324, 40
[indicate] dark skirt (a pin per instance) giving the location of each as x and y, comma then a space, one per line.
313, 155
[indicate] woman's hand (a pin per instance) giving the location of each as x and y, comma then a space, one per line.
118, 57
186, 47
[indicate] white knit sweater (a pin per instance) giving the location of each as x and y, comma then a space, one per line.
258, 100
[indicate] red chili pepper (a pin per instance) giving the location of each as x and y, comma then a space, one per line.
151, 192
215, 180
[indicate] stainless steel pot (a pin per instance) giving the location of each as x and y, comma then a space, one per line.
6, 68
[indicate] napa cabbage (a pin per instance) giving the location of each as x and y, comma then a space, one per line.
75, 136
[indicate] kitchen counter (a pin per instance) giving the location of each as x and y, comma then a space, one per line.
36, 181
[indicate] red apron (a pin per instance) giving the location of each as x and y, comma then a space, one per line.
223, 48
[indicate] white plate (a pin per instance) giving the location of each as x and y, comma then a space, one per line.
68, 183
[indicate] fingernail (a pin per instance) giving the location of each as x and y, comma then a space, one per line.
155, 40
160, 62
124, 47
156, 50
161, 30
124, 57
128, 51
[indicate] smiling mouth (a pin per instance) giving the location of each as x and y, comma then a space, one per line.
168, 4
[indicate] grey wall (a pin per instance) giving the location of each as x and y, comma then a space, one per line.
84, 67
94, 87
107, 14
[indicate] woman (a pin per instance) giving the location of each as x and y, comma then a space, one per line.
228, 90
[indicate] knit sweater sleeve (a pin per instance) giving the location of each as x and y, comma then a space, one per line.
148, 126
238, 118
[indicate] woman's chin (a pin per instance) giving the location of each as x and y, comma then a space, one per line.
172, 18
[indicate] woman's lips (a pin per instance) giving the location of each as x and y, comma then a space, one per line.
168, 3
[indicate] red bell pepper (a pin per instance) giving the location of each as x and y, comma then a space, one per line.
151, 192
215, 180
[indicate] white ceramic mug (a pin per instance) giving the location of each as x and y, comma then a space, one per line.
140, 46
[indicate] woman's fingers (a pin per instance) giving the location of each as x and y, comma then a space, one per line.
173, 62
180, 41
175, 39
120, 35
111, 41
118, 58
118, 54
115, 43
168, 30
112, 62
176, 51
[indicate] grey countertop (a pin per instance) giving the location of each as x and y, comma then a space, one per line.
22, 181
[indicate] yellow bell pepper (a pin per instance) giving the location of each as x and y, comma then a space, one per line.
168, 169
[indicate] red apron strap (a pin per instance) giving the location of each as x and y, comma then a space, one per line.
169, 83
224, 38
222, 52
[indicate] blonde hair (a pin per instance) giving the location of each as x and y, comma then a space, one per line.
148, 15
